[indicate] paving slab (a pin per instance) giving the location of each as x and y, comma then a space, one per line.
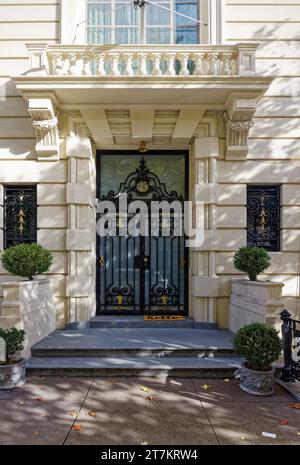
243, 422
172, 414
39, 412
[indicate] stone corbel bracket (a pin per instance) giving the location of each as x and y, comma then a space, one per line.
45, 124
238, 119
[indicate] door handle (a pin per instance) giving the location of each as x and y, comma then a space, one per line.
146, 262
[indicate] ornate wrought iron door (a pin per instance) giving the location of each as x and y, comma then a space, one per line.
143, 273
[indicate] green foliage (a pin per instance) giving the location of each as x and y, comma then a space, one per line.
259, 344
252, 260
27, 260
14, 339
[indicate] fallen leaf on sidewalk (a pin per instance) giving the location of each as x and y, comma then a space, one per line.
40, 398
295, 405
298, 433
77, 427
144, 388
206, 386
283, 422
74, 413
35, 433
226, 380
149, 398
92, 414
243, 438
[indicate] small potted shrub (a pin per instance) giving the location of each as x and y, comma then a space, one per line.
12, 369
27, 260
261, 346
252, 260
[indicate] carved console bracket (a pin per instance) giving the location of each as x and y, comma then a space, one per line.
45, 124
238, 119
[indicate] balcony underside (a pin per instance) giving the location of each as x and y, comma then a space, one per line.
212, 92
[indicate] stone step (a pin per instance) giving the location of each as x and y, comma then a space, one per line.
134, 342
128, 321
219, 367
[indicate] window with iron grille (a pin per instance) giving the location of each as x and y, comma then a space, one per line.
263, 217
20, 215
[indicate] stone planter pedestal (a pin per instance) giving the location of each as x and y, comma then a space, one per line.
28, 305
255, 301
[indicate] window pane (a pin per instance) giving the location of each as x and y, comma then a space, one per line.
189, 10
158, 36
156, 15
186, 36
97, 35
126, 15
126, 35
99, 15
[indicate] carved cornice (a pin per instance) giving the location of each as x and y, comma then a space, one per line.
45, 124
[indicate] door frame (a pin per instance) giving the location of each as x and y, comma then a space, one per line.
100, 152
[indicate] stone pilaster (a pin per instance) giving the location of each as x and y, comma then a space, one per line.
204, 288
80, 235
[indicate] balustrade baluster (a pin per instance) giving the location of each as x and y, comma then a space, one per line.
128, 64
170, 59
100, 64
198, 60
142, 58
184, 58
114, 57
57, 64
72, 70
212, 58
86, 69
226, 60
156, 57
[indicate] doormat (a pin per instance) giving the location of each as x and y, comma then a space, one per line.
164, 317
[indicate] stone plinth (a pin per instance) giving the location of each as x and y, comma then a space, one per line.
254, 301
28, 305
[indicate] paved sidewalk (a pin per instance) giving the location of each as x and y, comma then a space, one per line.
143, 411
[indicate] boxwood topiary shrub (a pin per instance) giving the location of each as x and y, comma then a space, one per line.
27, 260
259, 344
13, 339
252, 260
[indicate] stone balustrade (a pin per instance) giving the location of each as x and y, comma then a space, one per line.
144, 60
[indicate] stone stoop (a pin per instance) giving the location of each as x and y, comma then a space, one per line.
135, 351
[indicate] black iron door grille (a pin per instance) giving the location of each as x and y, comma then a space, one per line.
20, 215
142, 274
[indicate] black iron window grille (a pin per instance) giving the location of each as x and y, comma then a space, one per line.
263, 217
291, 347
20, 215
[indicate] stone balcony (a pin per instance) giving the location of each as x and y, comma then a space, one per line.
144, 60
190, 80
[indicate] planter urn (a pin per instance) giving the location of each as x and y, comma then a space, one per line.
258, 383
13, 374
